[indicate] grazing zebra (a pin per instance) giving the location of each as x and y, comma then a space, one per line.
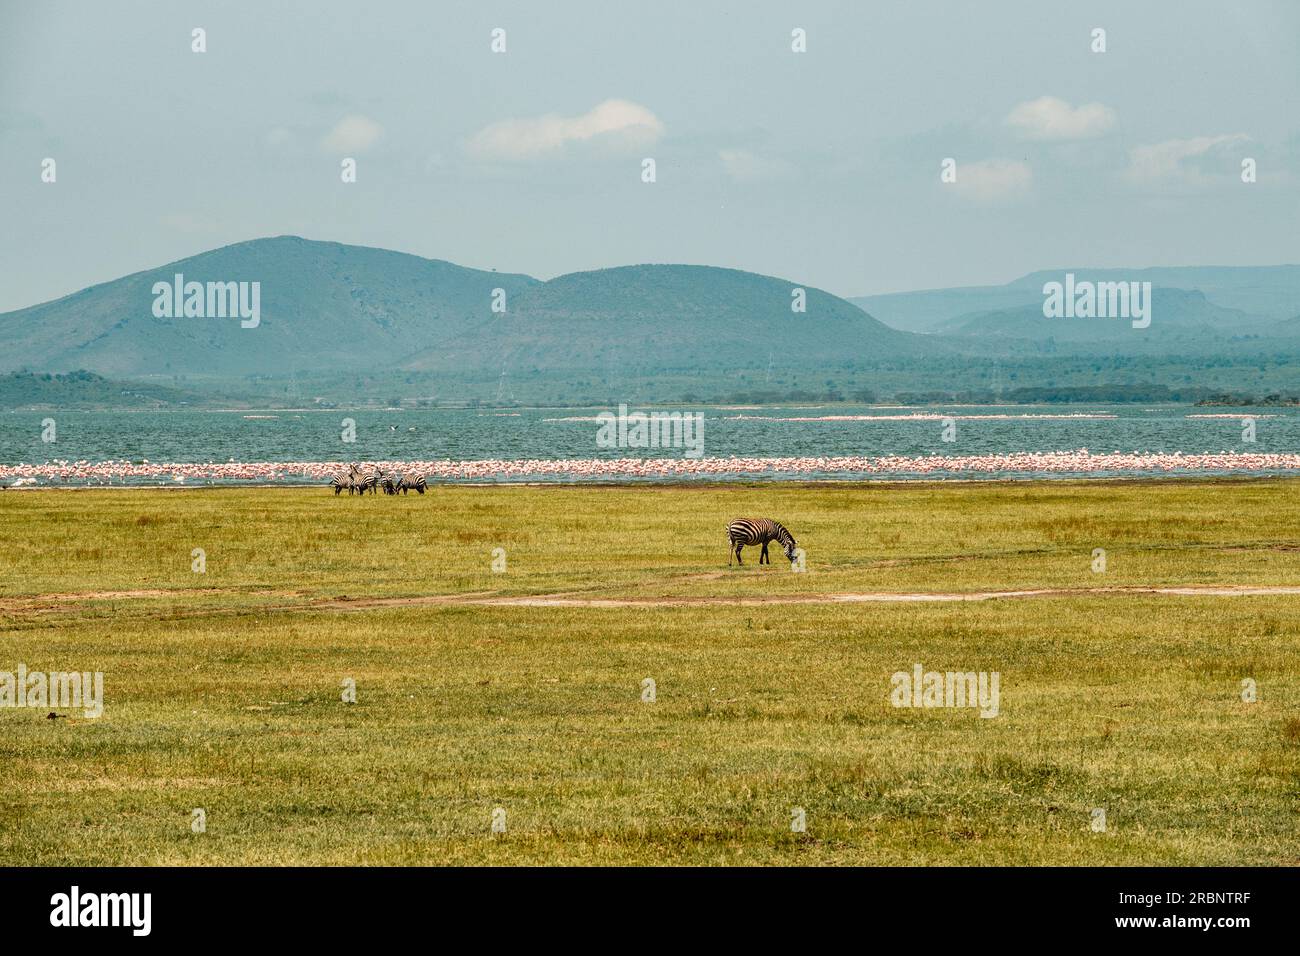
407, 483
358, 478
366, 481
388, 484
340, 481
747, 531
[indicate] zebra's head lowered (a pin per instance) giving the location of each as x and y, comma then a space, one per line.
787, 544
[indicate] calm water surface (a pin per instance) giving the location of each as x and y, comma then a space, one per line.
474, 434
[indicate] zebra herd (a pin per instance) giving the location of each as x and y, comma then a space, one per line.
741, 533
356, 481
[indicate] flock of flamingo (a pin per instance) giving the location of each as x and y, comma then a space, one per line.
1078, 462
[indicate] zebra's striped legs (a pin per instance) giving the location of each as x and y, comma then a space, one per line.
764, 557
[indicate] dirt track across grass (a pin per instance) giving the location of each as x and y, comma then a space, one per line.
57, 602
858, 597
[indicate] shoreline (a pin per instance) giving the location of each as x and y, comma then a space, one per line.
883, 482
1028, 465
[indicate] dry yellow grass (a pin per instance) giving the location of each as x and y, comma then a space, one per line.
223, 690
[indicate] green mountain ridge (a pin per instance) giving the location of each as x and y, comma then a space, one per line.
82, 389
1267, 292
347, 324
324, 306
328, 308
671, 317
1180, 320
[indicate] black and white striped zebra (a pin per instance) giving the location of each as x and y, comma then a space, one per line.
341, 481
756, 531
366, 480
408, 483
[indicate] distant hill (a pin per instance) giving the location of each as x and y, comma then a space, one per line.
324, 306
346, 320
346, 325
82, 389
671, 317
1179, 320
328, 308
924, 310
1262, 291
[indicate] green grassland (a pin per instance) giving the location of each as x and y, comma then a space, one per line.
222, 689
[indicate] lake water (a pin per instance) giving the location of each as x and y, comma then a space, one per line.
888, 440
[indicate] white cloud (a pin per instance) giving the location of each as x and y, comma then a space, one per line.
746, 167
1174, 160
1050, 118
991, 180
616, 123
352, 134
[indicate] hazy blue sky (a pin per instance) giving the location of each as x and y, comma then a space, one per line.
821, 167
